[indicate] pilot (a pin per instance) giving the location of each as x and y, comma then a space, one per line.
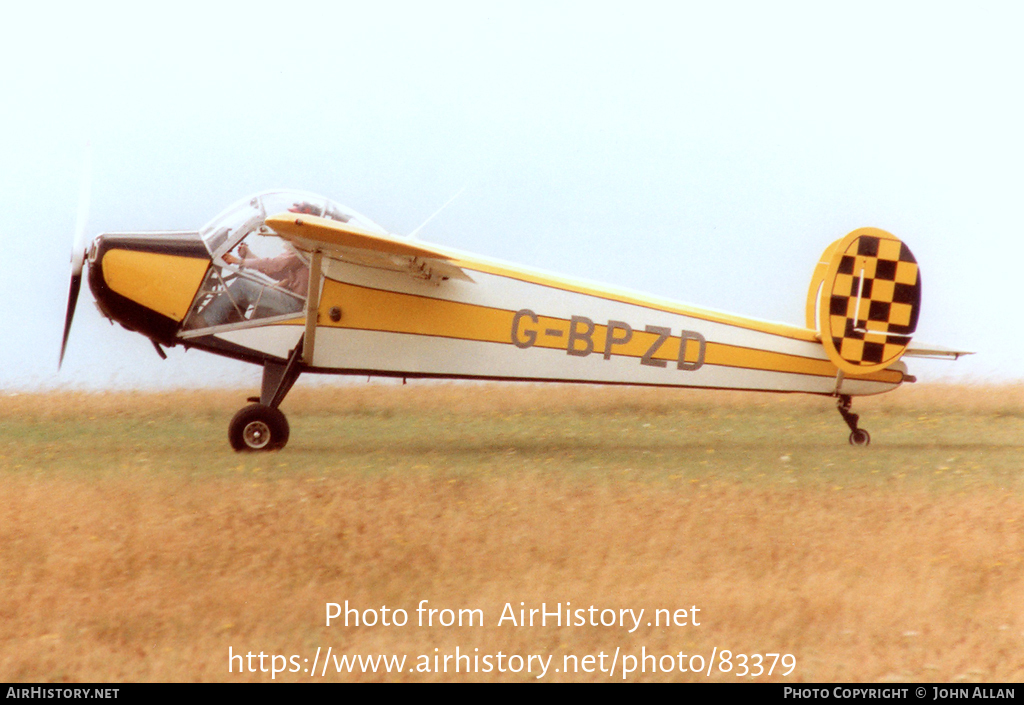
288, 270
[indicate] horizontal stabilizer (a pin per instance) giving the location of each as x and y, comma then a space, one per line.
936, 352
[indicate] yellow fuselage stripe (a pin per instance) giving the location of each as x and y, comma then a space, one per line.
369, 309
563, 284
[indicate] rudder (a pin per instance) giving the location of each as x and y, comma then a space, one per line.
865, 300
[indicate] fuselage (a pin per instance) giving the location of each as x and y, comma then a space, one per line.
382, 316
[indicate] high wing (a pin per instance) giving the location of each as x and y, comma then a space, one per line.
351, 243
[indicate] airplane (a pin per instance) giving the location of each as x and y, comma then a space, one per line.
299, 284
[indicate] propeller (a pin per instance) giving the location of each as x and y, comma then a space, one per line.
78, 249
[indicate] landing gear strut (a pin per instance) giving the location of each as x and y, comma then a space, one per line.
858, 436
261, 425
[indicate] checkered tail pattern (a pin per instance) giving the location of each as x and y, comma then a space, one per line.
874, 301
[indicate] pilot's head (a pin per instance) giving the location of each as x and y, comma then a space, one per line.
305, 208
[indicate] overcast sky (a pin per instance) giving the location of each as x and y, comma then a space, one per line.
707, 152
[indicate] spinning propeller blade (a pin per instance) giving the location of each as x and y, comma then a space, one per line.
78, 250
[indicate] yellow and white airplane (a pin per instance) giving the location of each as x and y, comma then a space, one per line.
300, 284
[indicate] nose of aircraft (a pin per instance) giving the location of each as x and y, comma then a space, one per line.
147, 282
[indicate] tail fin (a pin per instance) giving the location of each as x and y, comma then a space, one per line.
864, 300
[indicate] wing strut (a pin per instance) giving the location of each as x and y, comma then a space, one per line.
278, 379
312, 307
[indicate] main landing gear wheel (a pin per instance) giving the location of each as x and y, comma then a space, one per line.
860, 437
258, 427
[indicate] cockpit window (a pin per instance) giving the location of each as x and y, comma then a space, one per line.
261, 278
256, 276
221, 233
229, 228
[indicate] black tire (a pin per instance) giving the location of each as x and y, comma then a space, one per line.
257, 428
860, 437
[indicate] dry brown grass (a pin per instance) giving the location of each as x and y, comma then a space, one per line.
152, 568
469, 399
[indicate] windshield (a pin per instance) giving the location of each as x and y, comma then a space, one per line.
226, 230
257, 277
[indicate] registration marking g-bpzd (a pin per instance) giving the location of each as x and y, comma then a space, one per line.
579, 342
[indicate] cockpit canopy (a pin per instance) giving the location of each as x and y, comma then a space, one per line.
256, 277
232, 225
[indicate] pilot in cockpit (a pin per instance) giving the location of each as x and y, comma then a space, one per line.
289, 272
286, 295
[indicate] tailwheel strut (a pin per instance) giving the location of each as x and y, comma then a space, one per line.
858, 436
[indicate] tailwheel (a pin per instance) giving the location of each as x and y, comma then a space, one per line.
258, 427
860, 437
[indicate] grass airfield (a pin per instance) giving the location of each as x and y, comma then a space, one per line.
136, 546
